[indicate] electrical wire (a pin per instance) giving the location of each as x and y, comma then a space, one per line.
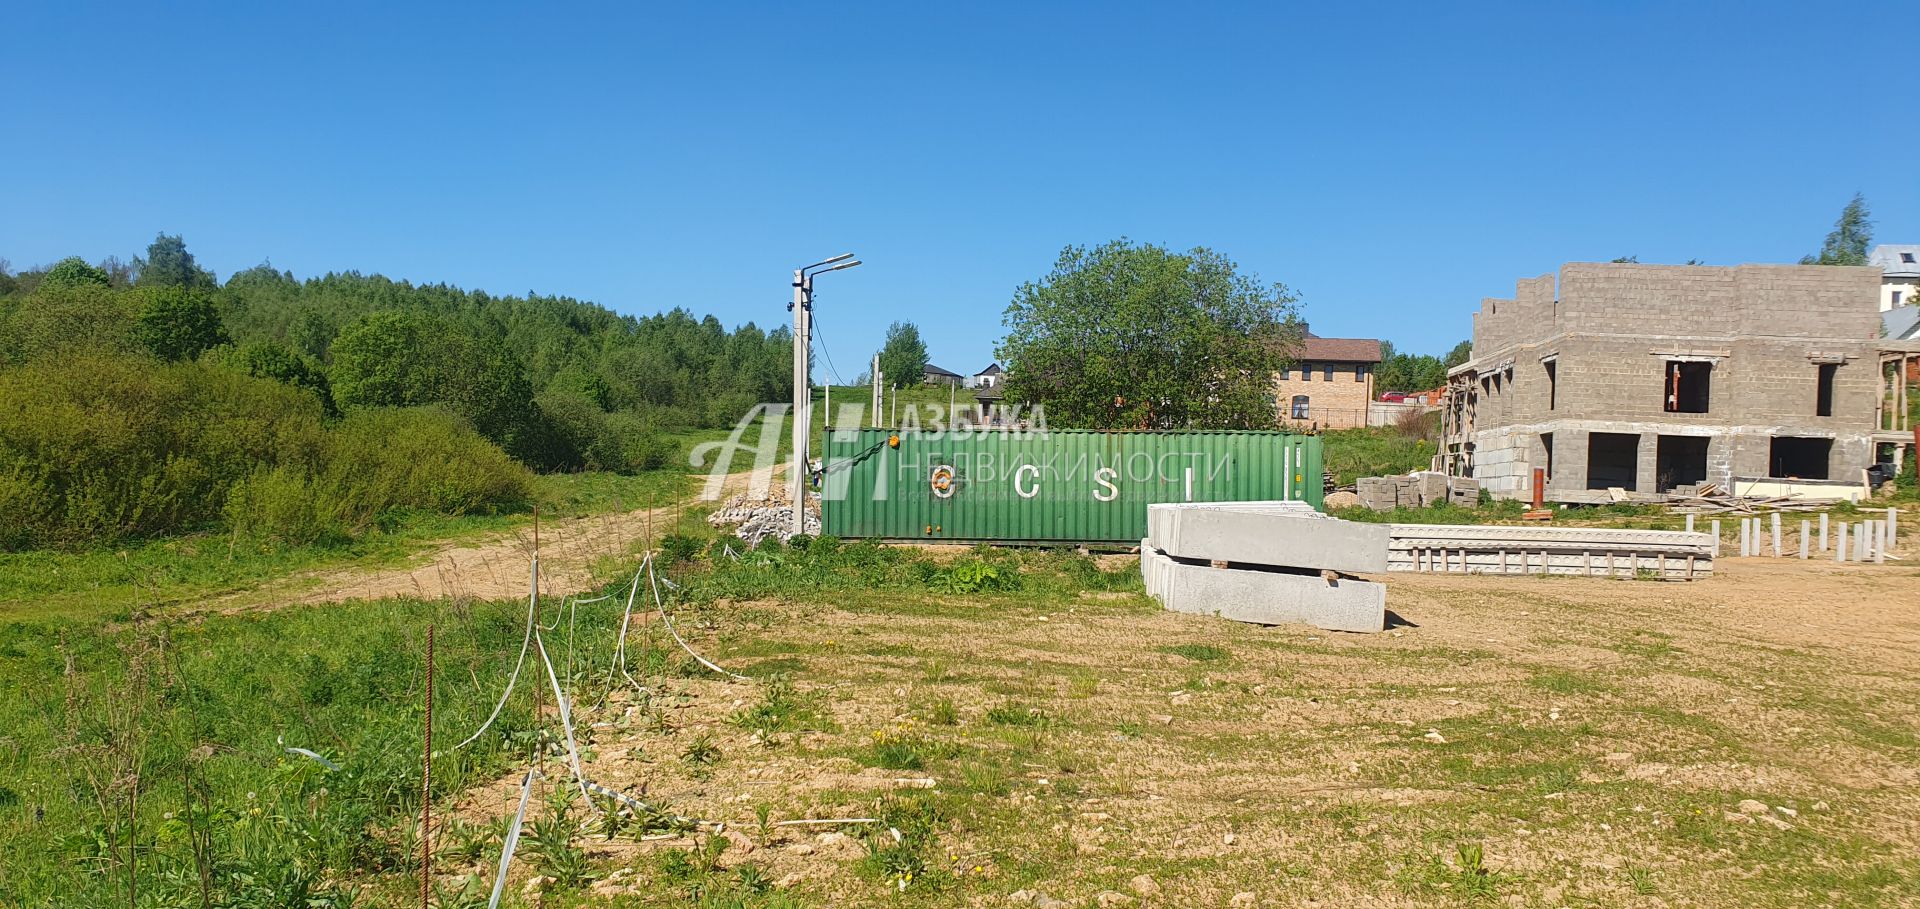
814, 327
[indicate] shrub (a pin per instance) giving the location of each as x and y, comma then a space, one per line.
66, 321
376, 462
116, 447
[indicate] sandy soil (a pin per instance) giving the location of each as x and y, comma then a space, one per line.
1599, 738
497, 566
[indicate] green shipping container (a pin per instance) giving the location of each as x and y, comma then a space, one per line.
1068, 486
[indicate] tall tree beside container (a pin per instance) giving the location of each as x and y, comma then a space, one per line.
1137, 336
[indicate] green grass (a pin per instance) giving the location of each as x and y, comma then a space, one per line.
212, 703
1374, 451
1199, 653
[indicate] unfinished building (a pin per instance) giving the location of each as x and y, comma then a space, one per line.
1649, 378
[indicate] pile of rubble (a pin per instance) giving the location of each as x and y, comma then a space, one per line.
760, 517
1419, 489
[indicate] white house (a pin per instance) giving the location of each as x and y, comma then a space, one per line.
991, 377
1899, 274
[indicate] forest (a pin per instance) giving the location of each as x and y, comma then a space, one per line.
147, 398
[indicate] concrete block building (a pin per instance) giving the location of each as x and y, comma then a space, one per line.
1648, 378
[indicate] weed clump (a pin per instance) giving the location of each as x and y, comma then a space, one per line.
1199, 653
782, 709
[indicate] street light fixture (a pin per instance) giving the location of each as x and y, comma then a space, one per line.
802, 307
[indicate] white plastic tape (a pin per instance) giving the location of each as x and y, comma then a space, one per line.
512, 840
533, 604
566, 720
667, 620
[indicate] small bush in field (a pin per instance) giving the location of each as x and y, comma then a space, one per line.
678, 548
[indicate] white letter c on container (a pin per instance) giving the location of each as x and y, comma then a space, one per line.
1026, 493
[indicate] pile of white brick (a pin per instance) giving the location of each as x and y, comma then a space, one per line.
1269, 563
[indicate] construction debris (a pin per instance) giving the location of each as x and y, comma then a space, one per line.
760, 517
1722, 503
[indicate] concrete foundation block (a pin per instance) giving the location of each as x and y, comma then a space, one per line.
1284, 534
1264, 597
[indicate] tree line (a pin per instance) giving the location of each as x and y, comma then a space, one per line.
147, 396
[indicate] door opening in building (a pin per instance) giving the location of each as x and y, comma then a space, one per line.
1795, 457
1546, 442
1823, 396
1679, 461
1613, 459
1688, 386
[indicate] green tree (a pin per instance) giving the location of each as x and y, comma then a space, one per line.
168, 264
73, 271
395, 359
1852, 234
276, 361
1461, 353
903, 358
1126, 336
178, 323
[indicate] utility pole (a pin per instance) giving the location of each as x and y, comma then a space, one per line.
873, 414
802, 307
802, 394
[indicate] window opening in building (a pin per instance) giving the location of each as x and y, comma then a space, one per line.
1553, 383
1613, 459
1688, 386
1679, 461
1300, 407
1794, 457
1823, 395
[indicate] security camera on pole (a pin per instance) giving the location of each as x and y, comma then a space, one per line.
802, 307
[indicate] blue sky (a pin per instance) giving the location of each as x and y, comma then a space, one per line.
1391, 163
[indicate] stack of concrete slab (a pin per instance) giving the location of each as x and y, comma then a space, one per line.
1265, 562
1419, 489
1534, 549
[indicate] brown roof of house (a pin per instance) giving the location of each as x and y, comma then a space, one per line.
1344, 350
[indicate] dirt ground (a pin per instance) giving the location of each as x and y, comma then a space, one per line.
496, 567
1748, 740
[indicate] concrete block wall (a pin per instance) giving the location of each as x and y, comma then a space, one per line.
1611, 333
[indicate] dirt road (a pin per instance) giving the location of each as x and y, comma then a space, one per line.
497, 567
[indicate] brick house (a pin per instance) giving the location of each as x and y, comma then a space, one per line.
1651, 377
1329, 385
